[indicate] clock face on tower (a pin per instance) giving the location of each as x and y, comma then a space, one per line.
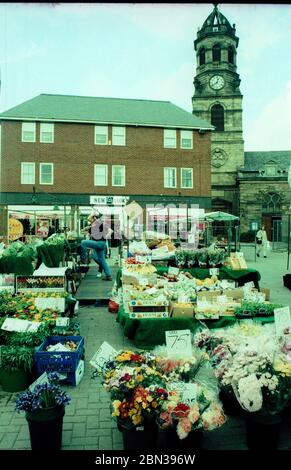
216, 82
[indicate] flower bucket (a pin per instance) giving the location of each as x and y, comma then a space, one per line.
15, 380
46, 427
230, 404
262, 432
138, 437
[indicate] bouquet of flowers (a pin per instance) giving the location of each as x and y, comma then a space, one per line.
191, 258
205, 413
43, 396
216, 257
202, 257
180, 258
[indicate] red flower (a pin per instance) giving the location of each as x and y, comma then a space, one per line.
135, 357
181, 411
126, 377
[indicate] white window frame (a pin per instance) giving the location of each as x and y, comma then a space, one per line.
95, 174
32, 164
166, 185
40, 173
28, 127
123, 176
187, 187
186, 136
118, 135
103, 130
46, 128
170, 138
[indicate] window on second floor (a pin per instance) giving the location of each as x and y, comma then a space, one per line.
216, 53
28, 132
100, 175
186, 140
118, 135
186, 178
118, 175
46, 173
170, 177
101, 135
230, 54
46, 132
27, 173
170, 138
202, 56
217, 117
271, 169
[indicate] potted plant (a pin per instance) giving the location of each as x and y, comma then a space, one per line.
202, 257
16, 366
45, 408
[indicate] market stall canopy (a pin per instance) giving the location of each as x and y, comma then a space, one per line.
223, 216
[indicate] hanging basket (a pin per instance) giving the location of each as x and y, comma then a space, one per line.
46, 427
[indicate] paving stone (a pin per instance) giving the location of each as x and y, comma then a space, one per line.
8, 440
22, 444
98, 432
66, 437
105, 443
67, 426
105, 414
79, 430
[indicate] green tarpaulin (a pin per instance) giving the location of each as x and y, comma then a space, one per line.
150, 332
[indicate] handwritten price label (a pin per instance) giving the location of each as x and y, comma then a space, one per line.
62, 321
104, 354
178, 343
282, 319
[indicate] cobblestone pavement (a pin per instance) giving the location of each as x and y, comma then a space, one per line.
87, 421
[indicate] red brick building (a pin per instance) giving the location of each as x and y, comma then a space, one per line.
66, 149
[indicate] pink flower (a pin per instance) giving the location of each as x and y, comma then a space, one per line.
183, 428
166, 418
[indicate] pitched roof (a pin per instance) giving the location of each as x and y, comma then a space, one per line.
254, 161
105, 110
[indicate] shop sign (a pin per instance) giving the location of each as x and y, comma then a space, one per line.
109, 200
15, 229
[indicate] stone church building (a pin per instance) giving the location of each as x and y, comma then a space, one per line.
252, 185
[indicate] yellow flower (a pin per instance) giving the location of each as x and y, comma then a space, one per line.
31, 307
139, 377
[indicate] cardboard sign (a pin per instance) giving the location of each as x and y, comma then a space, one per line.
144, 259
14, 324
214, 271
173, 271
178, 343
55, 303
104, 354
42, 379
62, 321
282, 319
189, 396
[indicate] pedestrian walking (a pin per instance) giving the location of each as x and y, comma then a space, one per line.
262, 242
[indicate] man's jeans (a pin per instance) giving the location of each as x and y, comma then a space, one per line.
100, 248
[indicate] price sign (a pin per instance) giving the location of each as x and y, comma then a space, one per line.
14, 324
189, 395
55, 303
173, 271
62, 321
282, 319
214, 271
104, 354
143, 259
178, 343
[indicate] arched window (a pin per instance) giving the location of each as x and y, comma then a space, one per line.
230, 55
202, 56
216, 53
272, 203
217, 117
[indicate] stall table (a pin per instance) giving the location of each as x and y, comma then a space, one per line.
240, 276
150, 332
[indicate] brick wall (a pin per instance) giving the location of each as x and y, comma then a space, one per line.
74, 155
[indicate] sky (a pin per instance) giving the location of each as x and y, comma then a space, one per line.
145, 51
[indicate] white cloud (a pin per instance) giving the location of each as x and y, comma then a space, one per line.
271, 128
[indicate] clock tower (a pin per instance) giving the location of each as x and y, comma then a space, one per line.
217, 99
